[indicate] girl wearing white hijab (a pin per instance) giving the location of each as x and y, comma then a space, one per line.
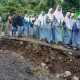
76, 34
67, 29
42, 27
26, 25
49, 24
72, 19
58, 24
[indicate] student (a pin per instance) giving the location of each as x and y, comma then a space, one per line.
67, 30
58, 24
32, 20
76, 34
36, 27
72, 19
49, 20
14, 25
42, 27
20, 24
26, 25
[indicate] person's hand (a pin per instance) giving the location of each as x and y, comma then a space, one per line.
52, 21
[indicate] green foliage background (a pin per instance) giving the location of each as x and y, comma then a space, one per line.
36, 6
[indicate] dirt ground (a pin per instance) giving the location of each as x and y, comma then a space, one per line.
56, 61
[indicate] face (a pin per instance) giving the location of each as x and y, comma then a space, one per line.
14, 15
20, 14
52, 11
8, 14
72, 17
36, 17
59, 8
27, 15
69, 15
32, 16
43, 13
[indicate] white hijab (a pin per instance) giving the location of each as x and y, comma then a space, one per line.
41, 18
26, 18
72, 19
49, 14
59, 15
67, 20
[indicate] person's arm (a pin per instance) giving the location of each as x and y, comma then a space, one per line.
47, 19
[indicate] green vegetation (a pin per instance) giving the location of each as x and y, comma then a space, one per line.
36, 6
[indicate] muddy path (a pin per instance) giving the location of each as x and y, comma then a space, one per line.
55, 60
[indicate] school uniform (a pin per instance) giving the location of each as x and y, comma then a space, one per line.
42, 29
58, 25
36, 28
67, 30
31, 29
76, 33
49, 29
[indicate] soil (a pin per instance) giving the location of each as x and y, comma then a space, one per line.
55, 60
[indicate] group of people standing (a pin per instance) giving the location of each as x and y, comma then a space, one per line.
52, 27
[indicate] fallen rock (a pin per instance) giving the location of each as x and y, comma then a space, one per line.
75, 78
47, 61
43, 64
67, 74
64, 75
70, 53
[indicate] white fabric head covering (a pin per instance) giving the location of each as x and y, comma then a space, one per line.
41, 18
50, 10
59, 15
72, 14
67, 14
67, 20
49, 13
26, 18
72, 19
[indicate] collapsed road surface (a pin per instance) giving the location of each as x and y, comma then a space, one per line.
25, 60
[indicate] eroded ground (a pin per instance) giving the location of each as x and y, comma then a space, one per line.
23, 61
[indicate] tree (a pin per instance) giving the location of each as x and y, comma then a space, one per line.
36, 6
